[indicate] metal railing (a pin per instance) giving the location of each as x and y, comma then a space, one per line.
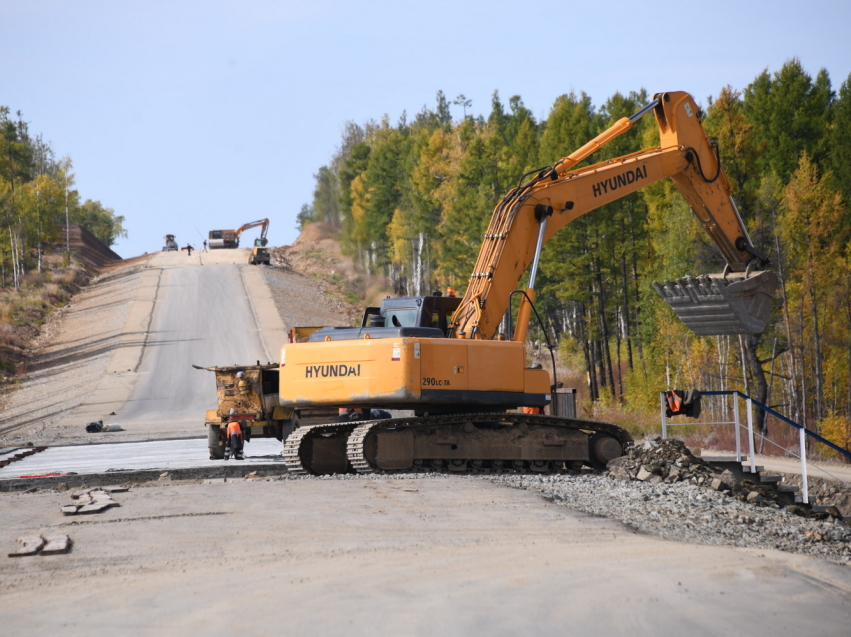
803, 433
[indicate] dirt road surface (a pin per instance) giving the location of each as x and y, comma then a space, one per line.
435, 556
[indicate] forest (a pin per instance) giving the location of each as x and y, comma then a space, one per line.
37, 199
414, 199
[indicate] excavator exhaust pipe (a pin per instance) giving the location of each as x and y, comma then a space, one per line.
713, 304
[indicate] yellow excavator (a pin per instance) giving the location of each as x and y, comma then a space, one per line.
230, 238
443, 359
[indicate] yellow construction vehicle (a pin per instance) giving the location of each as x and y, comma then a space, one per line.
230, 238
444, 359
170, 243
248, 394
260, 253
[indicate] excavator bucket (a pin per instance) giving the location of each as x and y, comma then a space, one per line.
713, 304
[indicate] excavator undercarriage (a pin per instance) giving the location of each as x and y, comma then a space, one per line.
460, 443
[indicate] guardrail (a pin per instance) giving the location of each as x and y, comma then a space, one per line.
803, 433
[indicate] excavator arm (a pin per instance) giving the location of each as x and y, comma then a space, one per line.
531, 214
254, 224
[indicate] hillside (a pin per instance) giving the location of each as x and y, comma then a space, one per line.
317, 254
24, 311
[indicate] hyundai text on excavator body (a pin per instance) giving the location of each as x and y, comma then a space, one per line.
444, 359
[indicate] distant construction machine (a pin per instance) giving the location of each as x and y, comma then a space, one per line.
230, 238
170, 243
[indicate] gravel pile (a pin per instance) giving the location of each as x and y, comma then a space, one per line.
686, 512
669, 461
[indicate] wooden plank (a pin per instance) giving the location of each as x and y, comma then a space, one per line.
31, 545
56, 545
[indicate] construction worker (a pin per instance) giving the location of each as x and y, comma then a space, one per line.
205, 245
234, 441
450, 291
189, 249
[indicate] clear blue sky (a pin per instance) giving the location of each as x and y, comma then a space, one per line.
189, 115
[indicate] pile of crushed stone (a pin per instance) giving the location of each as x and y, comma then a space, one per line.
669, 461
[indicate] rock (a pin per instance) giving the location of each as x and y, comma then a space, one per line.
644, 474
728, 478
833, 512
754, 497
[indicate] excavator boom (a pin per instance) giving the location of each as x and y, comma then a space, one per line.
531, 214
254, 224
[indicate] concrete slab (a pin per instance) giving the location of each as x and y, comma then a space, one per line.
161, 455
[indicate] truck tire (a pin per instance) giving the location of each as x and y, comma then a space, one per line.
215, 442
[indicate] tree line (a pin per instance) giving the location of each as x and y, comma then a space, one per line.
415, 198
37, 199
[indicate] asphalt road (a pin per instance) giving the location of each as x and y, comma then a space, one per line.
202, 316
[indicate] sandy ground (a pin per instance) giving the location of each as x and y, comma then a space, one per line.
444, 556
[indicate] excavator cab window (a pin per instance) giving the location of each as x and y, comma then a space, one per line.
401, 317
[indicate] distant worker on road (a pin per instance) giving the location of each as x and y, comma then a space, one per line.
205, 245
235, 442
189, 249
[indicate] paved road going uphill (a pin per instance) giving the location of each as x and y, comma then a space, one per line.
203, 317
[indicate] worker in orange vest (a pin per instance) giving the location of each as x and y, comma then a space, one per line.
234, 441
